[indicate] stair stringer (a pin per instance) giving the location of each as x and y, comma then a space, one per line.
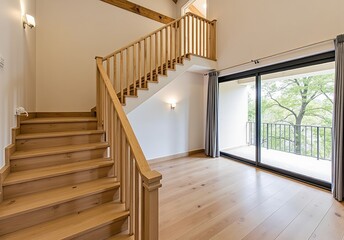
154, 87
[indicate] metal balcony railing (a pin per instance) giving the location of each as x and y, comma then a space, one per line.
305, 140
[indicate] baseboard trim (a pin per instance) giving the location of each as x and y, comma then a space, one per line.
175, 156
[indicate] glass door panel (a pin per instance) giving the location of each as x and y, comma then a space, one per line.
237, 114
296, 116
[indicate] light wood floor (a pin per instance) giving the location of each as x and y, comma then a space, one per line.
204, 198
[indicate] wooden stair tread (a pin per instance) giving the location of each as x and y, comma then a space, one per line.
122, 237
27, 203
73, 225
57, 150
46, 172
57, 134
59, 120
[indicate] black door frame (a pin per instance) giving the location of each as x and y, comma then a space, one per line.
257, 73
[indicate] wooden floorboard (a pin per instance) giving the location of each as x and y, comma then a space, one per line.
205, 198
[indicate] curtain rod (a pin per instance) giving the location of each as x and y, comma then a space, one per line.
256, 61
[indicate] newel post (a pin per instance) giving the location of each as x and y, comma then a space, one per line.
213, 40
150, 224
98, 103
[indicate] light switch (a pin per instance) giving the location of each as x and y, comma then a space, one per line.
2, 62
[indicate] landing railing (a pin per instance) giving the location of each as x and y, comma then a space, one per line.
133, 66
305, 140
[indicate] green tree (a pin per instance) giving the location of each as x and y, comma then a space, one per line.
306, 100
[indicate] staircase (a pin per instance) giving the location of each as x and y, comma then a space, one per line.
158, 58
77, 176
60, 185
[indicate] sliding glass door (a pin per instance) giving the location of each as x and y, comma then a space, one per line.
296, 113
237, 115
280, 117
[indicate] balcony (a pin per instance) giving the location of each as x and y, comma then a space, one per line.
303, 149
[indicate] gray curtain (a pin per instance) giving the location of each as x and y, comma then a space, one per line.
338, 119
211, 135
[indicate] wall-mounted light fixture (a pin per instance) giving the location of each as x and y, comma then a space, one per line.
29, 21
173, 104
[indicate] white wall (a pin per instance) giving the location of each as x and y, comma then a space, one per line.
233, 108
252, 29
166, 7
164, 132
70, 33
17, 78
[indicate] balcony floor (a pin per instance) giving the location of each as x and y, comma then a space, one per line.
319, 169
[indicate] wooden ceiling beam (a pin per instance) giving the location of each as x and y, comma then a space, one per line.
135, 8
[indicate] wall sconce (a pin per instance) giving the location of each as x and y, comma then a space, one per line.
173, 105
29, 21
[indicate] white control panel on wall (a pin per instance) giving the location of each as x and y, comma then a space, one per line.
2, 62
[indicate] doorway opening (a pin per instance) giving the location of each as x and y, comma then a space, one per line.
198, 7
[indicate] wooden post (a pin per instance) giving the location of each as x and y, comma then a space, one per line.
171, 46
184, 45
192, 35
127, 65
166, 51
119, 150
151, 58
150, 225
137, 203
197, 36
156, 54
213, 40
98, 107
121, 77
203, 47
108, 66
131, 191
176, 42
115, 143
139, 63
187, 34
208, 39
123, 159
161, 54
134, 69
145, 63
180, 40
114, 72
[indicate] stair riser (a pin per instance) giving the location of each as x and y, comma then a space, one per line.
38, 143
131, 92
53, 160
63, 114
104, 232
42, 215
57, 127
20, 189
